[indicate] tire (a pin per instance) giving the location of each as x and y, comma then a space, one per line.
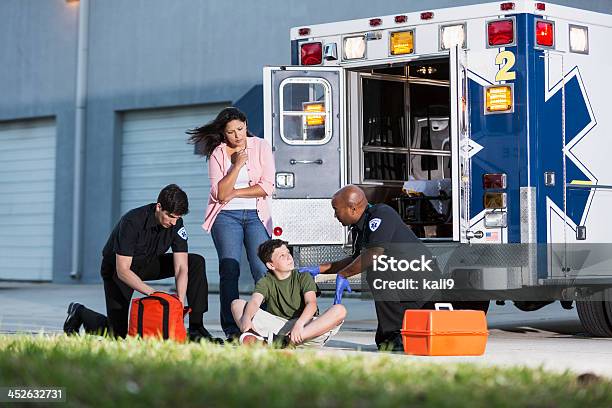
596, 315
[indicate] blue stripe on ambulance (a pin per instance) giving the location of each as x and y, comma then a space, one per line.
502, 137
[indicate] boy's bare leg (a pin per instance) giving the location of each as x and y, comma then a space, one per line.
325, 323
238, 307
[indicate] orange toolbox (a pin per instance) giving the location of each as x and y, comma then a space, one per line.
444, 332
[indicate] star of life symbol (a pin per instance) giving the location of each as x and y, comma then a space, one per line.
374, 224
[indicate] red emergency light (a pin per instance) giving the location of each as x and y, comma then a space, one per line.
494, 181
374, 22
500, 32
278, 231
545, 33
428, 15
401, 19
311, 53
541, 6
304, 31
506, 6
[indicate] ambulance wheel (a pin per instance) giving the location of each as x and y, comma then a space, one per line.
596, 315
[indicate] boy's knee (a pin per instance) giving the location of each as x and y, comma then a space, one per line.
339, 311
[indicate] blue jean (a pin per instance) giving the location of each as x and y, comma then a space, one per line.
231, 230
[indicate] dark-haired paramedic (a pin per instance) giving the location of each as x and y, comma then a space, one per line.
135, 253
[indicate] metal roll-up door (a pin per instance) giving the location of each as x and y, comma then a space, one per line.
27, 182
154, 154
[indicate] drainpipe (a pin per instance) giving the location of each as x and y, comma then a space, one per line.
79, 137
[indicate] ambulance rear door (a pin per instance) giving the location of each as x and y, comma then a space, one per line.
303, 122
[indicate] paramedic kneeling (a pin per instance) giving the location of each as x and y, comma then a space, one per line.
370, 225
136, 252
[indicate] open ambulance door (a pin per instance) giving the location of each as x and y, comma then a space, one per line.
302, 122
460, 146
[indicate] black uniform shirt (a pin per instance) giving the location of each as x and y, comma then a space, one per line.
137, 234
380, 224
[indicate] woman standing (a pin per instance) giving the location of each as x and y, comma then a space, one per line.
241, 172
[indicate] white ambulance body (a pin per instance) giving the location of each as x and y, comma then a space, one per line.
487, 124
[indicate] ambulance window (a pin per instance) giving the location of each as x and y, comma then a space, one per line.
305, 111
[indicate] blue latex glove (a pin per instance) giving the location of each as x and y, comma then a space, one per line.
342, 284
312, 270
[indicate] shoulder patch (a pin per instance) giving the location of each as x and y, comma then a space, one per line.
182, 233
374, 224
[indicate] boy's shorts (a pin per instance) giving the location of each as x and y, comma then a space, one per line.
265, 324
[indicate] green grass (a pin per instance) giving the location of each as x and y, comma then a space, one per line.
132, 373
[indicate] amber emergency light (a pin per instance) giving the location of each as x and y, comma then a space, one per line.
315, 120
498, 98
402, 42
495, 201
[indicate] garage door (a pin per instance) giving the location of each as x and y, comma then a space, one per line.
27, 182
155, 153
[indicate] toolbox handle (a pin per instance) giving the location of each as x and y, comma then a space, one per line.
446, 306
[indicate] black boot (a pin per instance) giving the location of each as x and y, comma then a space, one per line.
200, 333
73, 322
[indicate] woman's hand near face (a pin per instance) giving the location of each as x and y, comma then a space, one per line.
240, 158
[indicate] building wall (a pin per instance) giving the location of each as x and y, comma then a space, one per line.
146, 54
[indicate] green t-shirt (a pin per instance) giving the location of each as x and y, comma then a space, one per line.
285, 298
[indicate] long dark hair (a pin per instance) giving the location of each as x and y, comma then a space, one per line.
208, 137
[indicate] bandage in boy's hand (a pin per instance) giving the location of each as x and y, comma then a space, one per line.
312, 270
342, 284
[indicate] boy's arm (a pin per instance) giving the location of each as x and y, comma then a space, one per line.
296, 335
246, 321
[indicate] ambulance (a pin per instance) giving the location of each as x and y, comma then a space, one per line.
487, 127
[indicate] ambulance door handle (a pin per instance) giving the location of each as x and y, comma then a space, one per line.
294, 162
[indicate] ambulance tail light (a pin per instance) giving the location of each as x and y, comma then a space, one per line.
452, 35
304, 31
579, 39
495, 181
401, 42
506, 6
496, 219
354, 47
495, 201
545, 33
278, 231
500, 32
540, 6
314, 120
375, 22
311, 53
401, 19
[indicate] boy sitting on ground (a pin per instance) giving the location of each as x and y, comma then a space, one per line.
291, 301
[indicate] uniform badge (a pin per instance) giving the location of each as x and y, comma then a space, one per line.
182, 233
374, 224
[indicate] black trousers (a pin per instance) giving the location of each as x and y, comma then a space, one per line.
119, 295
391, 316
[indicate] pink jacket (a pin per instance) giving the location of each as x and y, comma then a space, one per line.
260, 167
